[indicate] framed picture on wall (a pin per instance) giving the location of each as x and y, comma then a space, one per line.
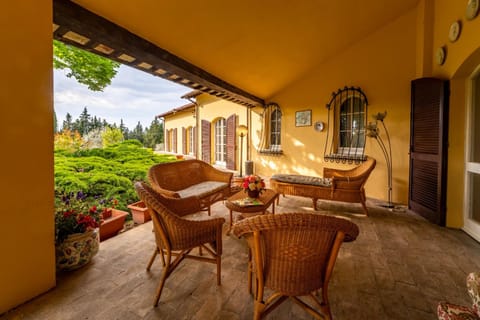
303, 118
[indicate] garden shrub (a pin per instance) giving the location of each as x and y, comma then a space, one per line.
105, 173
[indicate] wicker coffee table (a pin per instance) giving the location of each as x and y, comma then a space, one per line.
267, 198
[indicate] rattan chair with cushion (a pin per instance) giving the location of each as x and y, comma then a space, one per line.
182, 179
177, 236
336, 184
293, 256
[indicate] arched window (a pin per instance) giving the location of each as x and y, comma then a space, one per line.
276, 126
272, 130
346, 125
220, 142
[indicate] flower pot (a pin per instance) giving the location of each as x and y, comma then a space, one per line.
253, 193
112, 226
77, 250
140, 212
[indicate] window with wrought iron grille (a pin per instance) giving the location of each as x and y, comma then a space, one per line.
272, 130
346, 125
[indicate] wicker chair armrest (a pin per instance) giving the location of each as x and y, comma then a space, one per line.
183, 206
164, 192
214, 174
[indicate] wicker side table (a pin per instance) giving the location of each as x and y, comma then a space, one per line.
268, 198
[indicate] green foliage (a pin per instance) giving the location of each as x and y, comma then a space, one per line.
87, 68
105, 173
153, 134
111, 136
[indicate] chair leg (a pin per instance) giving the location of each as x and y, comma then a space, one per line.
165, 273
219, 269
154, 255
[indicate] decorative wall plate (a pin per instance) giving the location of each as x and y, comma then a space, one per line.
319, 126
454, 32
472, 9
440, 56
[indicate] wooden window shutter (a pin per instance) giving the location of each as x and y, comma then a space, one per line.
167, 141
206, 156
231, 128
428, 148
184, 141
174, 140
194, 144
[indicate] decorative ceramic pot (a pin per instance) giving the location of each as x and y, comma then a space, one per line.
253, 193
77, 250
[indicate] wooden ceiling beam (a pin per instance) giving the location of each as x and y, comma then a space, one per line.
91, 32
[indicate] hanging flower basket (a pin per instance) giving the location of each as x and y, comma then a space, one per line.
76, 250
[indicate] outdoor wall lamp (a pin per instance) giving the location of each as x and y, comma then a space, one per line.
242, 131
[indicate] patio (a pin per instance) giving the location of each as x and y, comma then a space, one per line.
399, 267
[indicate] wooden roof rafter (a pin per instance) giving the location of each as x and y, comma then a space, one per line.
77, 26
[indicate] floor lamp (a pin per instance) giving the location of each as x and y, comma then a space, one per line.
374, 132
242, 131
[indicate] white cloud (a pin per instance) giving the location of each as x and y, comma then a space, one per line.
133, 96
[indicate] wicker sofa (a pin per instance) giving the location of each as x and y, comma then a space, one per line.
336, 184
187, 178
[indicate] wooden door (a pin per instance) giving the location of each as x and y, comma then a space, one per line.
428, 148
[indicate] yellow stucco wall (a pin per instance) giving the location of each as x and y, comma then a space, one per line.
185, 119
463, 56
27, 265
212, 108
383, 65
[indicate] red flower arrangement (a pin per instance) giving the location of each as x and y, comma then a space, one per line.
76, 214
253, 183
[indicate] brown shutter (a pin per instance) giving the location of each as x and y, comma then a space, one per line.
194, 137
184, 141
231, 128
167, 140
174, 140
428, 148
206, 141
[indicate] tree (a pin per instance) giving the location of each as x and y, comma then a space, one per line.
124, 129
83, 125
137, 133
55, 122
94, 71
153, 134
67, 124
68, 140
111, 136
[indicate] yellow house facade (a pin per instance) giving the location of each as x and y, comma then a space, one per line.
381, 61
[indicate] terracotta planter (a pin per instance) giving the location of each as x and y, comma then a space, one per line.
112, 226
140, 212
76, 250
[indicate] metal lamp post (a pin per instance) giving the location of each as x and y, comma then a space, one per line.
242, 131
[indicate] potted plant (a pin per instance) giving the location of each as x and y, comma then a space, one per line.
140, 212
112, 221
253, 185
76, 231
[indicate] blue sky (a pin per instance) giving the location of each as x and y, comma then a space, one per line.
133, 96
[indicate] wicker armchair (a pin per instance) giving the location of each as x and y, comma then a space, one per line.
181, 179
336, 184
177, 236
294, 255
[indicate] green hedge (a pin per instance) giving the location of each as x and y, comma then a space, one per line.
105, 173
